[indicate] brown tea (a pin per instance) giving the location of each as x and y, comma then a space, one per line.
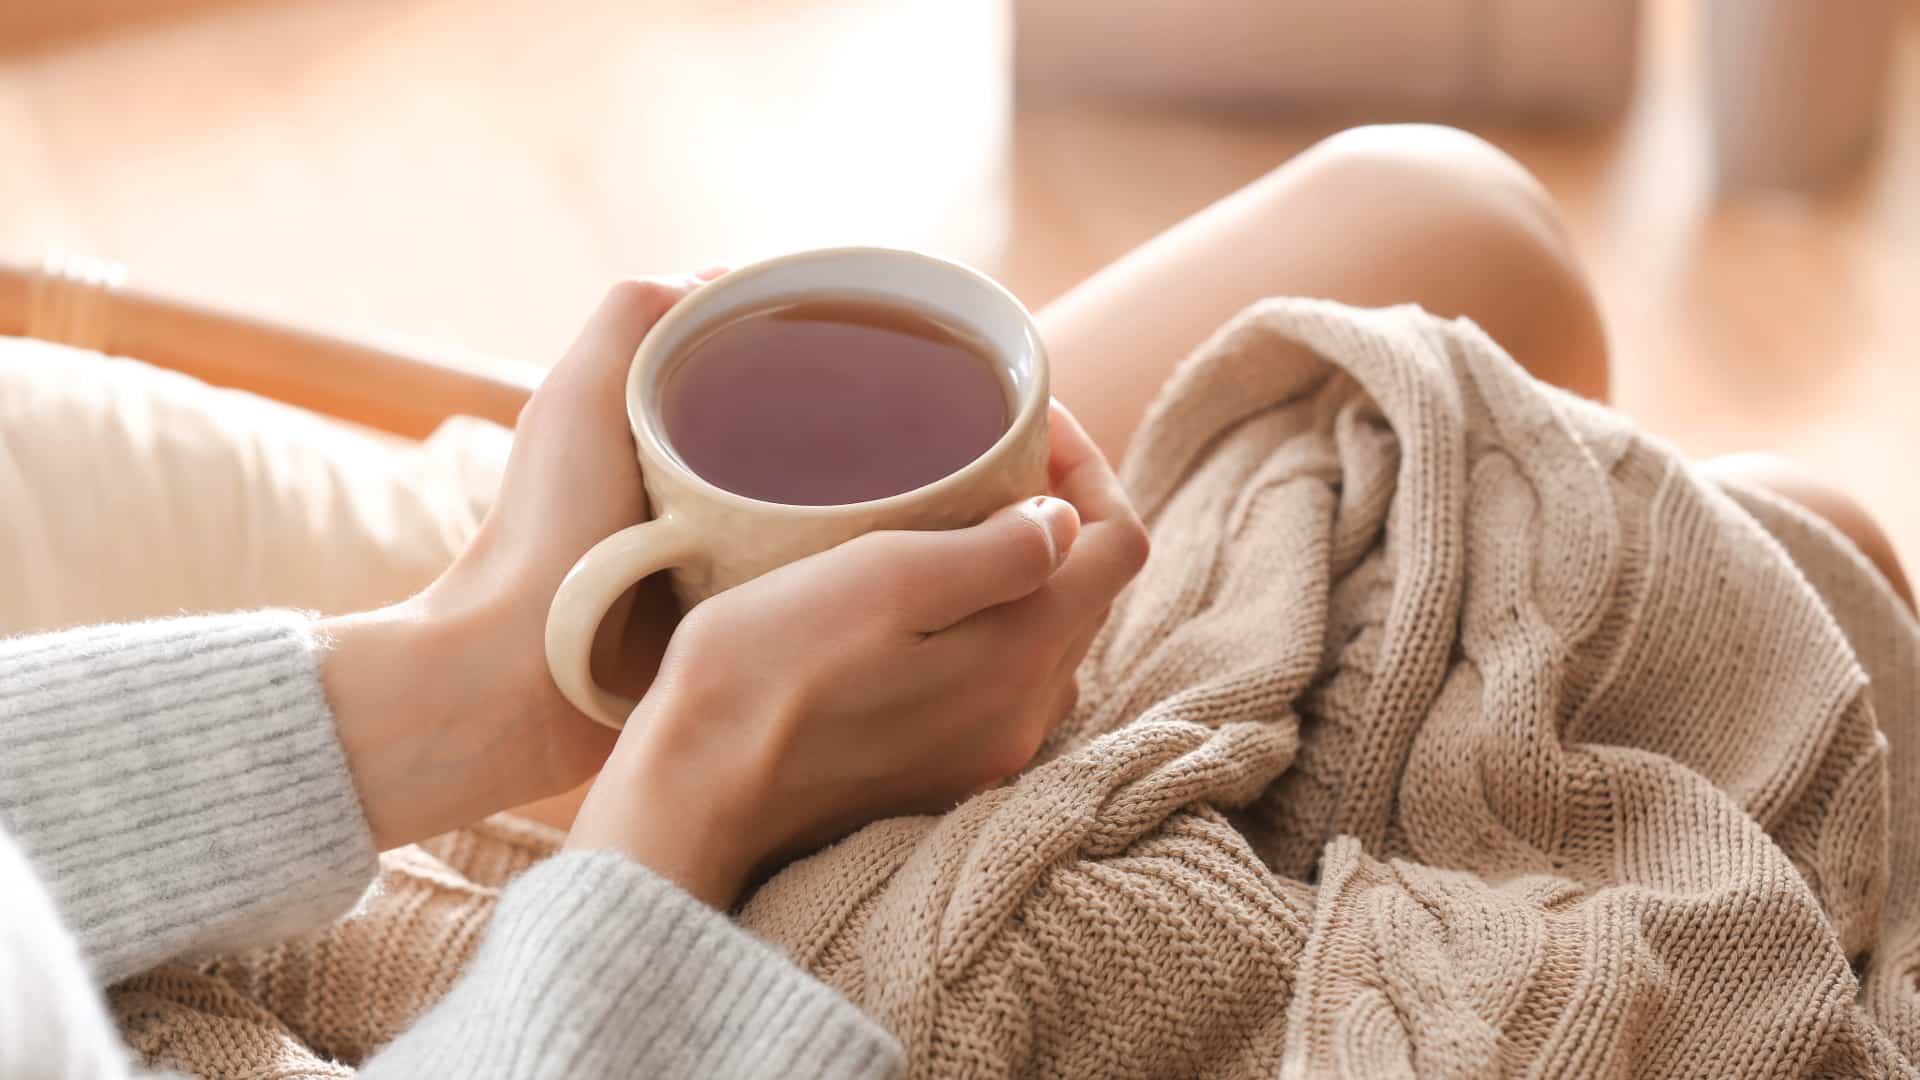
817, 402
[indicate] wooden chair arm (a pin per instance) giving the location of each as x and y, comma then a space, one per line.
82, 302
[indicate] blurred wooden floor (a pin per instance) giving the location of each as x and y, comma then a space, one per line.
476, 173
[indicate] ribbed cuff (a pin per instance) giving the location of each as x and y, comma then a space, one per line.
596, 967
179, 785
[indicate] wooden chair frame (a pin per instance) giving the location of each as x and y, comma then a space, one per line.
84, 302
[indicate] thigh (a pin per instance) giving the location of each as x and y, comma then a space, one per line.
1371, 217
1823, 499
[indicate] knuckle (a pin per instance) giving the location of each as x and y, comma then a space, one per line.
883, 546
704, 628
887, 567
650, 294
870, 550
1134, 544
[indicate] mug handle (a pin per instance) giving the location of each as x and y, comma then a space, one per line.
607, 570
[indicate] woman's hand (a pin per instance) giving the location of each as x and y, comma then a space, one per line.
572, 481
444, 702
896, 673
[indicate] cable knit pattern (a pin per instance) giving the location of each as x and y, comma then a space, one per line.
1454, 728
178, 787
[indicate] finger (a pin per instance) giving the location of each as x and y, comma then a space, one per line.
596, 364
937, 579
1110, 549
1113, 544
1078, 648
1044, 624
1066, 699
1108, 556
1078, 472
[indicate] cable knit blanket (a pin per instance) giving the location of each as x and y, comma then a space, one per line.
1455, 728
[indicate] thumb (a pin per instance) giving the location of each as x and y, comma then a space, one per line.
962, 571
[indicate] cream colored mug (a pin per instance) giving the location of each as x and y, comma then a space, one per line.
711, 539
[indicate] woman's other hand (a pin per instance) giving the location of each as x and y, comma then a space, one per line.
444, 702
896, 673
572, 480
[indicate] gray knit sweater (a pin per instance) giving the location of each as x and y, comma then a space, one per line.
177, 787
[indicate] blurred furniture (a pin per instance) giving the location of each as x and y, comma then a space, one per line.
1534, 59
83, 302
477, 174
1796, 89
32, 23
129, 489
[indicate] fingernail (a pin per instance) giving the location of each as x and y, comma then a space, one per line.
710, 273
1058, 519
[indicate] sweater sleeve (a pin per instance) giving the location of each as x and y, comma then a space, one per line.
178, 785
52, 1021
594, 966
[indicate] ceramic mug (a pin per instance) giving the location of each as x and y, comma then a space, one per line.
710, 539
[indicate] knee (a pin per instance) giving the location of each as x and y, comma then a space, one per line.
1444, 171
1822, 499
1503, 254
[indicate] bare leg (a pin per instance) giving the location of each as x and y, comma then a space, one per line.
1372, 216
1789, 481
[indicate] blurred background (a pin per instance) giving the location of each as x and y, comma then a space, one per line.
1742, 176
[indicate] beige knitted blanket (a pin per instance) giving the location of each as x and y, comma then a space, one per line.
1455, 728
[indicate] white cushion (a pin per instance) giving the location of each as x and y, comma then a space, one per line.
128, 491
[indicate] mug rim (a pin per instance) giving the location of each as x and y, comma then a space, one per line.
1033, 402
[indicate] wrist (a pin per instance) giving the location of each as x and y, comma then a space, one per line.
662, 804
435, 723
